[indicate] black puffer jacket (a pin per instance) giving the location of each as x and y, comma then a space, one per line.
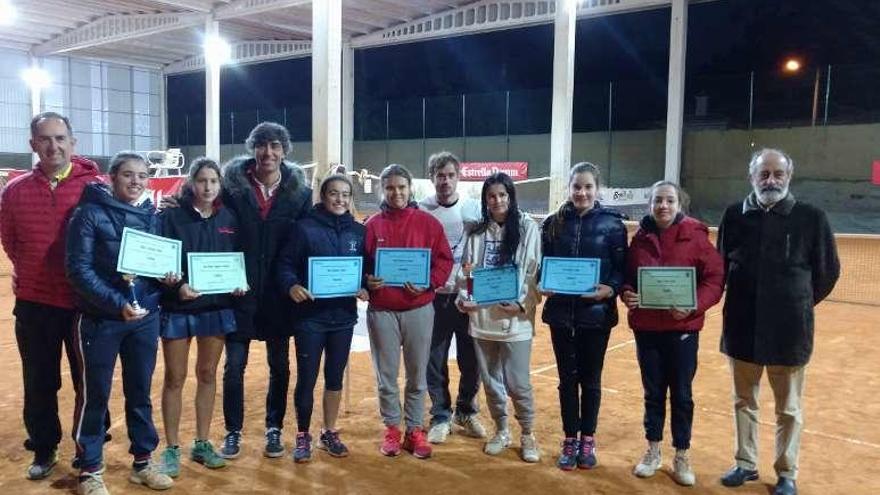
599, 233
217, 234
93, 239
321, 233
779, 264
262, 312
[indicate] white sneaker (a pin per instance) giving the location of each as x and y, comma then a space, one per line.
152, 477
530, 451
681, 469
92, 483
650, 463
439, 432
497, 443
471, 425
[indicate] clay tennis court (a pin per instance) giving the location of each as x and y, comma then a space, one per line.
840, 447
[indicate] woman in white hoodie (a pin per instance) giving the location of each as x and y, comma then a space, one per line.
503, 332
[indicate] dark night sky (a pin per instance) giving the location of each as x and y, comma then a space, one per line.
725, 37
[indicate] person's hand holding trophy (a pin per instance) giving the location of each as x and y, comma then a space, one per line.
467, 304
149, 255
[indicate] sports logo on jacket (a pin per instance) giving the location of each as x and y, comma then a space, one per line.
352, 246
225, 230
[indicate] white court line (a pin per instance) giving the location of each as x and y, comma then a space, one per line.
612, 348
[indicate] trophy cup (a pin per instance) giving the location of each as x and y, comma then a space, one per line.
132, 295
467, 269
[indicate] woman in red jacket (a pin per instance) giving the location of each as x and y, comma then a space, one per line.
667, 339
403, 317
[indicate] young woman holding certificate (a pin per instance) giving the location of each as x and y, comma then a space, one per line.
119, 318
401, 312
581, 324
502, 332
327, 243
667, 339
203, 225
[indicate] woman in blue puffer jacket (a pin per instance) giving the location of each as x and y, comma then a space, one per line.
323, 326
108, 326
580, 325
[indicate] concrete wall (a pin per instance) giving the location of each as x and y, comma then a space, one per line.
832, 164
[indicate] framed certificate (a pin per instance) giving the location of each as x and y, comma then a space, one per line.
396, 266
147, 255
667, 286
335, 276
216, 273
575, 276
495, 285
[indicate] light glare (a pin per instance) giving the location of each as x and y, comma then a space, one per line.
36, 78
8, 13
792, 65
217, 51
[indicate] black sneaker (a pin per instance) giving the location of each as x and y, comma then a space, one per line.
43, 465
567, 461
274, 447
231, 445
302, 451
330, 442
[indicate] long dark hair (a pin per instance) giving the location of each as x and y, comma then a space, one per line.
559, 216
197, 165
511, 224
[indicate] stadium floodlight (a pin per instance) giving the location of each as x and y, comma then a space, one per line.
792, 65
36, 77
217, 51
8, 13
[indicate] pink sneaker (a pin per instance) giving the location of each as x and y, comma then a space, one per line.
417, 443
391, 443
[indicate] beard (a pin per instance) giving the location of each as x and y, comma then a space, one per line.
770, 195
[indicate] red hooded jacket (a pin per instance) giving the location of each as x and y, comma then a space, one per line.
684, 243
407, 228
33, 228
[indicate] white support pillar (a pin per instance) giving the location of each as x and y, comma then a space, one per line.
564, 27
36, 97
675, 102
326, 86
348, 106
212, 97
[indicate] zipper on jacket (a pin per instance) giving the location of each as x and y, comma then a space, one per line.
787, 245
577, 252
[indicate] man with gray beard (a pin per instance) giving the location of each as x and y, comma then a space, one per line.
780, 261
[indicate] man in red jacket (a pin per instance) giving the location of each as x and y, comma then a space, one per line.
34, 211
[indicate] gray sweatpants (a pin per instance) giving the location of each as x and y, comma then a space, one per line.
389, 331
504, 369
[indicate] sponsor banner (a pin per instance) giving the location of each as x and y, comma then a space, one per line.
159, 186
620, 196
875, 176
478, 171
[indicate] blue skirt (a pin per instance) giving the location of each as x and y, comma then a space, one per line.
206, 324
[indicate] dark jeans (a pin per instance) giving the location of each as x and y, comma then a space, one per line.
99, 343
40, 331
237, 350
309, 348
580, 355
668, 360
449, 321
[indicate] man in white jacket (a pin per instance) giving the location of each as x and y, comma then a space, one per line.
456, 214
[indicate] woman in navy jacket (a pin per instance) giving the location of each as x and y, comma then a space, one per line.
109, 326
580, 325
322, 326
203, 224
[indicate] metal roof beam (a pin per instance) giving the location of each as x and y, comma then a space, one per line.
241, 8
112, 28
489, 15
247, 52
196, 5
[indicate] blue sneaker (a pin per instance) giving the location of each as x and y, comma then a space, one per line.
586, 458
302, 451
169, 461
231, 445
568, 457
330, 442
274, 446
